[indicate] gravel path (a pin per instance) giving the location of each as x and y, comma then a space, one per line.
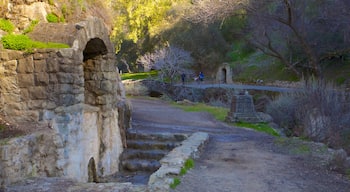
237, 159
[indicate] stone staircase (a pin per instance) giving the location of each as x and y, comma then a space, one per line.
141, 158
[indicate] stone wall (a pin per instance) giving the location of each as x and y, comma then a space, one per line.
76, 92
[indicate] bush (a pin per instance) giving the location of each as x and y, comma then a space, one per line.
6, 25
319, 111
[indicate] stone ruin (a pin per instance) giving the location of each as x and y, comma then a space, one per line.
242, 109
76, 99
224, 74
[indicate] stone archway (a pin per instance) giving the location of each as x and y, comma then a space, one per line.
76, 91
224, 74
92, 175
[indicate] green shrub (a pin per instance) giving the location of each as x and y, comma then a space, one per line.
52, 18
6, 25
16, 42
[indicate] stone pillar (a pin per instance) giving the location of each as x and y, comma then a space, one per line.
242, 109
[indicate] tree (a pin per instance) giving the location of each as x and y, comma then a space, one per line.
301, 34
170, 60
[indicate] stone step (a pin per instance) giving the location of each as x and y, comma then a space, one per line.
155, 154
152, 144
140, 165
132, 135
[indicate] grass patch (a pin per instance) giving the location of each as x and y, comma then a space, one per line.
23, 42
138, 76
262, 127
189, 164
175, 183
6, 25
219, 113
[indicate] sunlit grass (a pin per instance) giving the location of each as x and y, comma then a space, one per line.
261, 127
219, 113
137, 76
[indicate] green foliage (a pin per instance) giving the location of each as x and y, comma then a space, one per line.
16, 42
240, 51
30, 28
52, 18
175, 183
6, 25
189, 164
183, 171
137, 76
262, 127
23, 42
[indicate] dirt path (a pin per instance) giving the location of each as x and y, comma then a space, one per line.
236, 159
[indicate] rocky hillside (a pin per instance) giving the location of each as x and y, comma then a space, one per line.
22, 12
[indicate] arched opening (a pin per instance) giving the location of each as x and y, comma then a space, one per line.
94, 48
93, 74
92, 175
223, 75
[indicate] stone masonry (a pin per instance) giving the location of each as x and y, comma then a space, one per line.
76, 93
242, 109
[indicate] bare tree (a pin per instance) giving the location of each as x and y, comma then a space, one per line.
208, 11
171, 61
301, 34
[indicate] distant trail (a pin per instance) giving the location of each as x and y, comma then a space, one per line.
238, 86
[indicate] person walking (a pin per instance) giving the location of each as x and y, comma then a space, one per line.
183, 78
201, 76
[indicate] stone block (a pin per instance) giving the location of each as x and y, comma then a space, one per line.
9, 84
41, 79
40, 66
24, 94
65, 88
25, 80
106, 86
53, 78
38, 92
52, 65
38, 56
65, 78
66, 53
107, 67
25, 65
10, 66
4, 56
13, 55
35, 104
